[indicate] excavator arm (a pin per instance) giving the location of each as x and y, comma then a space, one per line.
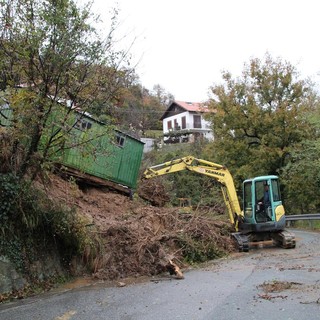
216, 171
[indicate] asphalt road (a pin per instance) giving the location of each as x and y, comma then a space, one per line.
266, 283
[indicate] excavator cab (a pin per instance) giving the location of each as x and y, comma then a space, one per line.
262, 205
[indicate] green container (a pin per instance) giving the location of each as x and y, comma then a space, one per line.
115, 157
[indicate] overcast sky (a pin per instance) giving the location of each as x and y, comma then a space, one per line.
183, 45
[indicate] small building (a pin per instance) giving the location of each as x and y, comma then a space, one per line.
112, 161
149, 144
90, 152
185, 122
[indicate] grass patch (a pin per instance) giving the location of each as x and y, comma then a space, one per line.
306, 224
154, 134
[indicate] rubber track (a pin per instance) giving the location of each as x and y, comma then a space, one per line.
287, 239
242, 241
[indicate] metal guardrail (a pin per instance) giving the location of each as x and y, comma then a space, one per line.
309, 217
296, 217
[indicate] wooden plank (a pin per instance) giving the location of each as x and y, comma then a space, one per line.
93, 180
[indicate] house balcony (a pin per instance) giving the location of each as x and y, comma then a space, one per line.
189, 129
188, 134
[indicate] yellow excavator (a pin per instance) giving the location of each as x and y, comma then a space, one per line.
262, 217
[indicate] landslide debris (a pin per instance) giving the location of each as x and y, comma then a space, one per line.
139, 239
154, 192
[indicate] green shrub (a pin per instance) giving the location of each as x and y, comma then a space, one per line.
31, 223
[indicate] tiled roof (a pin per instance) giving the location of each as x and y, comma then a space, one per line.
192, 106
188, 106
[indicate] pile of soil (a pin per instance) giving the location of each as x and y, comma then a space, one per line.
139, 239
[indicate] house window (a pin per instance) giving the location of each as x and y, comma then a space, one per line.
120, 140
183, 122
169, 125
176, 126
83, 124
197, 121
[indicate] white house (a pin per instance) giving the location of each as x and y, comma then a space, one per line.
184, 122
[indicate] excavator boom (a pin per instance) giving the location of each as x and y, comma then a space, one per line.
218, 172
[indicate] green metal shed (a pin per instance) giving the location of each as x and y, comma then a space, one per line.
116, 159
112, 160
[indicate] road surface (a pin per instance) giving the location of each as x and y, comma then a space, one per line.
266, 283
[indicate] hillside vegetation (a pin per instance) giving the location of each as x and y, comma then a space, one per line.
265, 121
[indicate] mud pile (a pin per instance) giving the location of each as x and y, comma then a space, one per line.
138, 238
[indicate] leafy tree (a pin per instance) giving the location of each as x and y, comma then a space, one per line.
52, 64
301, 175
50, 56
163, 96
260, 117
139, 109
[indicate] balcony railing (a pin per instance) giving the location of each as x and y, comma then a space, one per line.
190, 126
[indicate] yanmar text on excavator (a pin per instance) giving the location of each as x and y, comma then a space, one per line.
262, 217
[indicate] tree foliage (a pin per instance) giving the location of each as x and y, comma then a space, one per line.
140, 109
51, 55
260, 117
53, 65
263, 125
301, 175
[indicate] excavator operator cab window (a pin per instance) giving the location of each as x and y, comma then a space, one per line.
247, 200
263, 209
275, 190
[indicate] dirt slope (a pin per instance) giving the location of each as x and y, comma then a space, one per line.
140, 239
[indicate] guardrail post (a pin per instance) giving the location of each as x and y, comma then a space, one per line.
310, 224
